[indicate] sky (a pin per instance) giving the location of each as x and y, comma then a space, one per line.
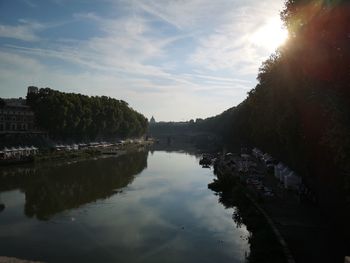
173, 59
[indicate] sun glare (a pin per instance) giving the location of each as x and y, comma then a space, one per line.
270, 35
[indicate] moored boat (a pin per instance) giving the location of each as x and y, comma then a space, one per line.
205, 160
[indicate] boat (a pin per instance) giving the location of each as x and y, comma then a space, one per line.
205, 160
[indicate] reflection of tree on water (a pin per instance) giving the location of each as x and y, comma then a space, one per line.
2, 206
71, 186
13, 177
264, 246
53, 190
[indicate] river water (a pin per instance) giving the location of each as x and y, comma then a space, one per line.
138, 207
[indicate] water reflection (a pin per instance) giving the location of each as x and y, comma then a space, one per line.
50, 190
164, 214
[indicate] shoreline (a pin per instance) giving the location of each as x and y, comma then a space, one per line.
47, 156
265, 246
299, 225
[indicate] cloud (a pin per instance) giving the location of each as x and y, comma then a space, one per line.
223, 41
190, 15
229, 46
174, 59
125, 47
30, 3
26, 31
218, 79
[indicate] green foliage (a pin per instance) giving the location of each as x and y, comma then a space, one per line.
70, 115
2, 103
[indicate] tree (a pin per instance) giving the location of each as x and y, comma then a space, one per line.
300, 109
2, 103
69, 115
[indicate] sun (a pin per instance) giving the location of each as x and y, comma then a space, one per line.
270, 35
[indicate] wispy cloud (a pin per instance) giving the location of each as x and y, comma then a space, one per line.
125, 49
189, 15
182, 59
229, 46
30, 3
26, 31
219, 79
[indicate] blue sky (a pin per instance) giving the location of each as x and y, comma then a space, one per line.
174, 59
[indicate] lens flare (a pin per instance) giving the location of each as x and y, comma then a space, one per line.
270, 35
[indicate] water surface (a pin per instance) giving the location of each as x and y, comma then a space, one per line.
139, 207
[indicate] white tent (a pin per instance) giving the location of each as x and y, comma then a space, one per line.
292, 181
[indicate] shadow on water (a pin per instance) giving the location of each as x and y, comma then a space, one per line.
51, 190
264, 246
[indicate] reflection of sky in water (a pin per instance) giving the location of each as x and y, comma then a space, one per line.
166, 214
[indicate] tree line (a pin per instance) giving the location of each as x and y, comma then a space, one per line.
70, 115
300, 109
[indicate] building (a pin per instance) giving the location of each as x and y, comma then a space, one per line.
16, 116
152, 120
33, 89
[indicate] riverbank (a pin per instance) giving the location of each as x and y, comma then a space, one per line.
91, 152
264, 246
305, 230
77, 153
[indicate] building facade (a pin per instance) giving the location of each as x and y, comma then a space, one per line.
16, 117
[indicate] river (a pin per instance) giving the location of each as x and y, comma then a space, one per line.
139, 207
